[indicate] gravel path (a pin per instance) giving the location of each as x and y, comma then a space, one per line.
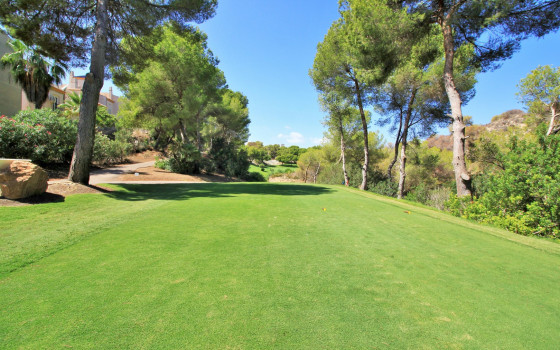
112, 175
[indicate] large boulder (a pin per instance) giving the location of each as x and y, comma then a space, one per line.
23, 179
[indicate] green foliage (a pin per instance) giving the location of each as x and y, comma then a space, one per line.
272, 150
331, 174
107, 151
289, 155
226, 158
524, 197
104, 119
184, 158
40, 135
540, 90
385, 188
71, 110
175, 85
71, 107
254, 177
64, 29
178, 91
257, 155
540, 85
45, 136
377, 37
268, 171
310, 163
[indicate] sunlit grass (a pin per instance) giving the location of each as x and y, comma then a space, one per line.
260, 266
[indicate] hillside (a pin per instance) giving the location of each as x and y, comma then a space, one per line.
514, 118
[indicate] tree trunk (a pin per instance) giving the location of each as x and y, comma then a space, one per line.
83, 151
462, 176
396, 152
182, 132
198, 136
402, 170
363, 186
343, 152
552, 119
393, 162
404, 141
316, 173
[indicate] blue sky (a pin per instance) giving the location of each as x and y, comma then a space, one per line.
266, 48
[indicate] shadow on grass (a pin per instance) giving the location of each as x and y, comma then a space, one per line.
137, 192
46, 197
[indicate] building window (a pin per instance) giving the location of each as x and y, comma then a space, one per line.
54, 101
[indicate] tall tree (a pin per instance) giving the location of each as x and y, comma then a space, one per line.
72, 31
414, 101
343, 121
495, 29
360, 51
333, 72
541, 88
174, 84
180, 86
230, 116
32, 71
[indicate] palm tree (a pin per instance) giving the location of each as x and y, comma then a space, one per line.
32, 71
71, 107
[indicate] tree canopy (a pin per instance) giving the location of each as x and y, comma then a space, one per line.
541, 88
494, 28
177, 89
70, 30
64, 30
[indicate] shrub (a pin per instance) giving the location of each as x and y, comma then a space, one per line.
457, 205
419, 194
161, 163
224, 157
254, 177
385, 188
107, 151
43, 136
438, 196
184, 159
331, 173
524, 196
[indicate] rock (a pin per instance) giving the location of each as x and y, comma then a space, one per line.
23, 179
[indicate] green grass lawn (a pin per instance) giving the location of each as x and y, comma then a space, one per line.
272, 169
263, 266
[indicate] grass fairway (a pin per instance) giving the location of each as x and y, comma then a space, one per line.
264, 266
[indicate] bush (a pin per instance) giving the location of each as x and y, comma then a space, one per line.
161, 163
43, 136
457, 205
385, 188
438, 196
184, 159
523, 197
224, 157
107, 151
331, 173
254, 177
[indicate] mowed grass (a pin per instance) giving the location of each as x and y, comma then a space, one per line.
268, 266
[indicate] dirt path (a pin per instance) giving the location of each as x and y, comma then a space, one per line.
141, 170
114, 174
